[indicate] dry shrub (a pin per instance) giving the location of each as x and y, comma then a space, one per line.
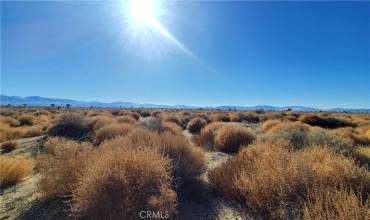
155, 114
272, 116
33, 131
208, 134
173, 119
26, 120
230, 139
14, 169
196, 124
277, 126
8, 146
267, 125
121, 182
249, 117
334, 203
151, 123
144, 113
70, 125
12, 122
9, 133
113, 130
235, 117
367, 134
126, 119
332, 169
188, 160
351, 136
265, 178
362, 155
135, 115
273, 179
172, 127
325, 122
221, 118
291, 116
137, 137
60, 165
102, 121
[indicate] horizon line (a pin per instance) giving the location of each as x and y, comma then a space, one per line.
193, 106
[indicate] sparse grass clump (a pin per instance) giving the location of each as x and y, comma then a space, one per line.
230, 139
8, 146
113, 130
61, 164
121, 182
70, 125
14, 169
196, 124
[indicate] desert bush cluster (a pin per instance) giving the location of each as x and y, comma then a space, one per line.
111, 163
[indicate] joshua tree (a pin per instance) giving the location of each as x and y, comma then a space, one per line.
68, 106
52, 106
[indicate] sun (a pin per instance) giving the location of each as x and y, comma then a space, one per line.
142, 19
143, 12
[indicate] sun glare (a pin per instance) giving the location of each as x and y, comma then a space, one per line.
142, 12
143, 19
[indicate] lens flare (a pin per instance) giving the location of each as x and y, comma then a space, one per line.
143, 20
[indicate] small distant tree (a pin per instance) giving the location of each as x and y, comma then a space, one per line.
92, 107
8, 105
68, 106
58, 107
52, 106
24, 105
289, 109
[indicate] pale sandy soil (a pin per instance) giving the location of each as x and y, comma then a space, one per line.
24, 201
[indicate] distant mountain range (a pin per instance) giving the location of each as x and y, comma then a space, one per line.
41, 101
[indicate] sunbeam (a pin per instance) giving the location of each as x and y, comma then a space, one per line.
142, 18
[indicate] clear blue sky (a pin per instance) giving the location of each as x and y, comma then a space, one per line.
243, 53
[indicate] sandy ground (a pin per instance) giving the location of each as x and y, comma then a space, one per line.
24, 201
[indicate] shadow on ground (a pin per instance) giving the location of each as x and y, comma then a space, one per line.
45, 209
197, 201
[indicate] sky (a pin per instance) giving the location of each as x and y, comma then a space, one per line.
202, 53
